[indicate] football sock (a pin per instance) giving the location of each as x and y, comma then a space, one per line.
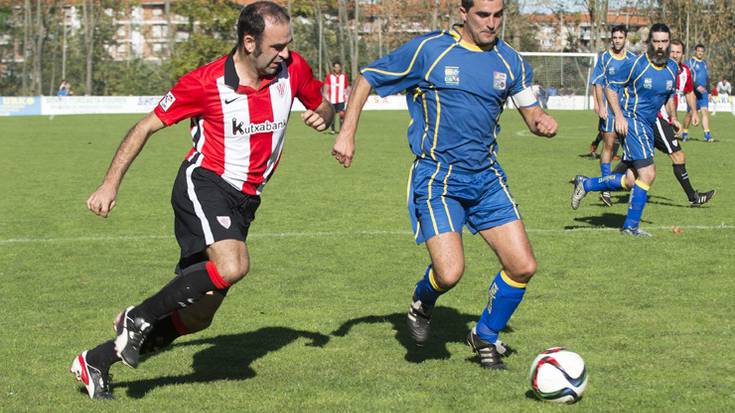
427, 290
684, 133
597, 140
163, 333
504, 297
616, 146
182, 291
680, 172
612, 182
638, 198
103, 356
605, 168
707, 134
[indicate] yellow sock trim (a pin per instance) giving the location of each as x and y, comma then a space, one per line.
643, 184
510, 282
622, 183
685, 130
433, 283
706, 130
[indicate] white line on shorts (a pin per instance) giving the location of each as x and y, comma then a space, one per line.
327, 234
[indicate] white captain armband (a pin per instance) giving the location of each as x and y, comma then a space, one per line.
524, 98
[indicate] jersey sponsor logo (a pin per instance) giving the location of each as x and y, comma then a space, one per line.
225, 221
499, 80
451, 75
167, 101
238, 127
648, 83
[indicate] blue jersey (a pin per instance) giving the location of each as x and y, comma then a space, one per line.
455, 93
609, 65
700, 72
644, 87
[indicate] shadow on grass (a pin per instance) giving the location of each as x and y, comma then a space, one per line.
228, 357
448, 326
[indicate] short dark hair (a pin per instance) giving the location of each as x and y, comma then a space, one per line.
658, 28
699, 46
619, 28
252, 19
467, 4
678, 42
336, 62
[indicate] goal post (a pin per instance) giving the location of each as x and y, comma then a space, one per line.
563, 74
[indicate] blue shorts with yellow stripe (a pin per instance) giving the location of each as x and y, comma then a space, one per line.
702, 100
609, 124
442, 199
638, 144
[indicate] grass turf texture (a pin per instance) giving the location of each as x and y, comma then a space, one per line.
318, 324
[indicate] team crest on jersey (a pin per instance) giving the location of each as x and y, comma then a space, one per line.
669, 84
167, 101
499, 80
281, 87
648, 83
611, 70
451, 75
225, 222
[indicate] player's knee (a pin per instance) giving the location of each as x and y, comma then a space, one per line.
678, 157
234, 269
523, 271
447, 276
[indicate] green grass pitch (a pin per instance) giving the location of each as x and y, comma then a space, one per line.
318, 324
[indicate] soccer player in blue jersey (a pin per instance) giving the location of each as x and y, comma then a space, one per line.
700, 76
457, 82
636, 95
609, 63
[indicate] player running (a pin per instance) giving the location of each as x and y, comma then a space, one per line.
700, 77
644, 85
457, 82
239, 106
609, 63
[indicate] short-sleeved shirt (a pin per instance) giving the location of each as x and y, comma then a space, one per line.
336, 85
455, 93
700, 72
238, 131
644, 87
608, 65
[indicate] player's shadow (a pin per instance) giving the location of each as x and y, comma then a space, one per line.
227, 357
448, 326
661, 200
606, 220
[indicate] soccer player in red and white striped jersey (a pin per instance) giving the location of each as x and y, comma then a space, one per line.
239, 107
337, 87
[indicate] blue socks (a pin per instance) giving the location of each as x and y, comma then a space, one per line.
427, 289
638, 198
504, 297
611, 182
605, 168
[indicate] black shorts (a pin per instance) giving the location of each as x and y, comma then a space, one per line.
207, 209
339, 107
664, 137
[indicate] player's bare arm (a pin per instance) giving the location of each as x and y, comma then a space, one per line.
320, 118
102, 200
621, 126
538, 121
691, 99
344, 147
600, 106
671, 110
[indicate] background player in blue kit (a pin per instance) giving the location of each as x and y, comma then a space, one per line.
700, 76
609, 62
647, 84
457, 82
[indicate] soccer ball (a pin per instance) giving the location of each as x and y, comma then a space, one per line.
558, 375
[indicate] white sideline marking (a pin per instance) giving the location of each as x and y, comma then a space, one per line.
324, 234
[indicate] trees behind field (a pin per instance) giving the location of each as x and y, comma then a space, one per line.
45, 41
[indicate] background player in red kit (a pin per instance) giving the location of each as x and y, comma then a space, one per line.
336, 87
239, 107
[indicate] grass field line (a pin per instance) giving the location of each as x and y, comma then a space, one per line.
325, 234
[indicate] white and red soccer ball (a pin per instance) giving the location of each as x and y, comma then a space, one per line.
558, 375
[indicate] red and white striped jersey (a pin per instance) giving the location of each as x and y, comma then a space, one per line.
684, 85
336, 87
237, 131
